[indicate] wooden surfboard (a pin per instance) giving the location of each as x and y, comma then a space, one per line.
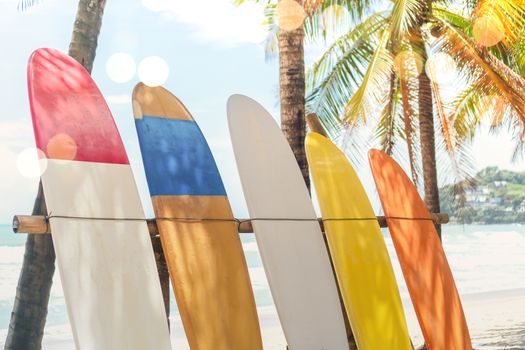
197, 228
293, 252
358, 250
103, 248
423, 261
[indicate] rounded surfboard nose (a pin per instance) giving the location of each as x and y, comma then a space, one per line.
359, 254
71, 119
427, 273
204, 254
293, 252
157, 102
102, 245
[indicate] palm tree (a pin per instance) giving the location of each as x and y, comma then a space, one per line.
292, 92
290, 44
28, 318
378, 70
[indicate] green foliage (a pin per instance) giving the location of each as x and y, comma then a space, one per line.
506, 193
358, 82
25, 4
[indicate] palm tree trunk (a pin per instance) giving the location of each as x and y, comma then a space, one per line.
293, 121
28, 318
426, 124
408, 116
86, 29
26, 327
428, 147
292, 92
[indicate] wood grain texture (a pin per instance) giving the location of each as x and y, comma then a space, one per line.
358, 250
209, 272
158, 102
37, 224
205, 257
422, 258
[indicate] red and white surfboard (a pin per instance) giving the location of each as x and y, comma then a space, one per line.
102, 244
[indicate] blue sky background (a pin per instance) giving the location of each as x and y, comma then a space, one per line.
213, 50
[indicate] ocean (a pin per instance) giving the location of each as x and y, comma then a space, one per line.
488, 263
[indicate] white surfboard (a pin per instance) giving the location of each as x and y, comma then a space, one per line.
293, 253
102, 244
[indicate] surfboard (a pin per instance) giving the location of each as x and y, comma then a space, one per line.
428, 276
102, 244
359, 254
293, 252
196, 224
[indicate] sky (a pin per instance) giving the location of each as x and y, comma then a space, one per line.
212, 50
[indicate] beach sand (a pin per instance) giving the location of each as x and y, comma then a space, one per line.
496, 321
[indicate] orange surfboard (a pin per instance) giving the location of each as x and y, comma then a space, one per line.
422, 258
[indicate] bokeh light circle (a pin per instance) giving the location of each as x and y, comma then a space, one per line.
290, 15
31, 162
408, 64
62, 146
441, 68
153, 71
120, 67
488, 31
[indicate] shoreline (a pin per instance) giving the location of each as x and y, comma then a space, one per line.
496, 321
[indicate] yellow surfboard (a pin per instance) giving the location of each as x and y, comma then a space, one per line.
362, 265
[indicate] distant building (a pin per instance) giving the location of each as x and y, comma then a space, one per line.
521, 207
500, 183
496, 201
478, 195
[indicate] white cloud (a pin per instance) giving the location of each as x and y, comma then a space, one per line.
218, 20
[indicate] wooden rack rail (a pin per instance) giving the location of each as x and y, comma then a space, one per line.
39, 225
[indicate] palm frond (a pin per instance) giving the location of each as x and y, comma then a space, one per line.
405, 16
386, 127
333, 78
476, 62
371, 93
453, 18
25, 4
446, 125
518, 52
507, 16
335, 16
486, 83
453, 143
407, 67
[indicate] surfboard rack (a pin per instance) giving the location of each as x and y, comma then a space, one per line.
37, 224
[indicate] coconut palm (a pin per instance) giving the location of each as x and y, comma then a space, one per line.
291, 78
292, 92
29, 314
378, 71
289, 42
